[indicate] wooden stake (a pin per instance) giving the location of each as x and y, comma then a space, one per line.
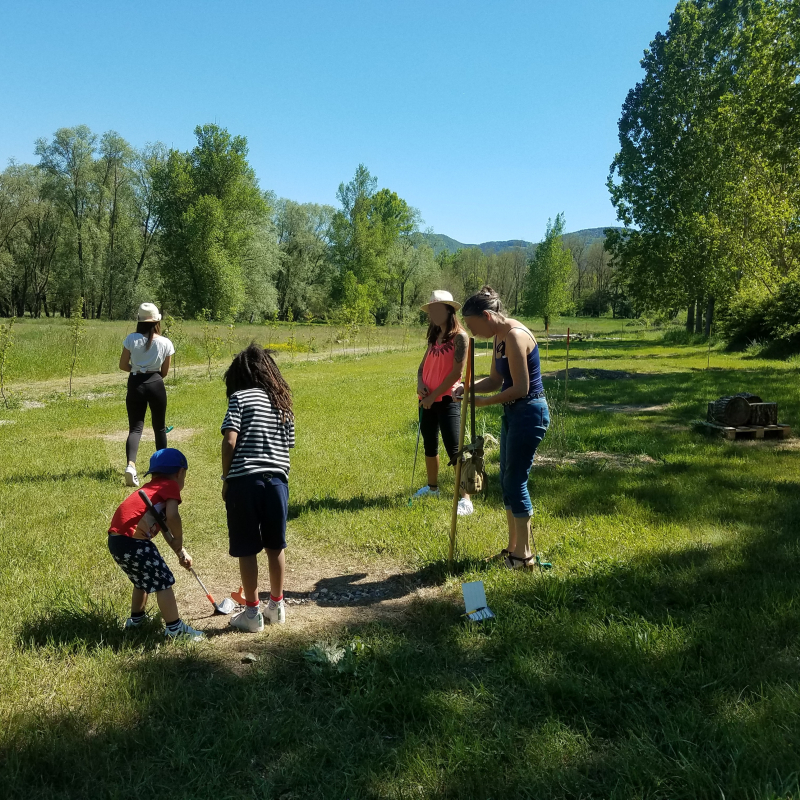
469, 383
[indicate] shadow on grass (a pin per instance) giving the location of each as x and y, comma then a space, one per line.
107, 474
669, 676
343, 504
78, 628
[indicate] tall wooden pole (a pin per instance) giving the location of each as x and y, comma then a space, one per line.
468, 383
566, 371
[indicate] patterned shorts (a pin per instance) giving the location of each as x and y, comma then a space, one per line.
141, 562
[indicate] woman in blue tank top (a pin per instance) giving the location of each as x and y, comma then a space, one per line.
516, 373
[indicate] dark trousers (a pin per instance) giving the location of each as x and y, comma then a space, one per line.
444, 415
145, 389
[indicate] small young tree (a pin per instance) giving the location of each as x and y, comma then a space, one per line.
212, 341
77, 330
6, 343
548, 274
173, 330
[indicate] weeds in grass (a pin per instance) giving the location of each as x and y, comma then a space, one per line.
6, 343
212, 341
77, 330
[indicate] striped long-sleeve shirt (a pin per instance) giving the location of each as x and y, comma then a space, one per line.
263, 441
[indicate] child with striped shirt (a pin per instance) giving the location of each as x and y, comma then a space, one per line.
257, 433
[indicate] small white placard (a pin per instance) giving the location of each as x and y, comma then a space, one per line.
475, 601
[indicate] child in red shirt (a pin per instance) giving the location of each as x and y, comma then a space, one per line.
130, 543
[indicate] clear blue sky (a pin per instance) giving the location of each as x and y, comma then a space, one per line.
488, 116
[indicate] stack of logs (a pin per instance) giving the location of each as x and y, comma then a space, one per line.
741, 410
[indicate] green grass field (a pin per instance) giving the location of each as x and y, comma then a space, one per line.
660, 658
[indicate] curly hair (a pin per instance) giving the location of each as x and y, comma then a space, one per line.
254, 368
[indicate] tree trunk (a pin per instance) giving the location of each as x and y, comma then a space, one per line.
698, 316
690, 318
709, 315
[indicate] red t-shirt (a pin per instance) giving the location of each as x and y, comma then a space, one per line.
127, 517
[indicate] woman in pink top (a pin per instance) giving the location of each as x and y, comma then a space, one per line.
438, 375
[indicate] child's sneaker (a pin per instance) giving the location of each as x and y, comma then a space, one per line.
135, 623
276, 612
426, 491
254, 624
464, 507
131, 478
184, 631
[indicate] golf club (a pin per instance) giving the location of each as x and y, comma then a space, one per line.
227, 605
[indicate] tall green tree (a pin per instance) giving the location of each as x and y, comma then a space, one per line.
707, 171
68, 161
546, 283
209, 207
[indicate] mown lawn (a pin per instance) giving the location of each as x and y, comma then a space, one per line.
660, 658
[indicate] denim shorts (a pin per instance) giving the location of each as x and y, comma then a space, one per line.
523, 427
257, 506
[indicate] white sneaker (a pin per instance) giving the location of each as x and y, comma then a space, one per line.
186, 632
465, 507
131, 478
276, 612
247, 624
135, 623
426, 491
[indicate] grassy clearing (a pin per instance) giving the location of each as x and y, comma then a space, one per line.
659, 659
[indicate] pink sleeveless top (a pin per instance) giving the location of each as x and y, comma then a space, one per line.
438, 364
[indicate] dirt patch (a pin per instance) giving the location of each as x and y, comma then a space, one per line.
8, 422
321, 594
29, 404
597, 457
580, 374
175, 435
622, 409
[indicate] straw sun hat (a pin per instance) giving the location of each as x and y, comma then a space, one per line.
441, 296
148, 313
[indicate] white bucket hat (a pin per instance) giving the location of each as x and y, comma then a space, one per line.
148, 313
441, 296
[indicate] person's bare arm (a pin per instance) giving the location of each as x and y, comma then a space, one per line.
175, 526
516, 353
422, 389
229, 439
125, 360
165, 367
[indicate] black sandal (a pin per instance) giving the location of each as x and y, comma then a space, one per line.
516, 562
504, 553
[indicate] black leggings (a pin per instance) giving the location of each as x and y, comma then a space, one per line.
145, 388
444, 415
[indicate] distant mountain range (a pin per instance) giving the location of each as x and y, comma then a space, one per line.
439, 242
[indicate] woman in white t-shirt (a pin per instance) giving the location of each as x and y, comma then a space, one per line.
146, 355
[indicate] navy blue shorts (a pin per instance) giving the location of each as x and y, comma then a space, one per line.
257, 507
141, 562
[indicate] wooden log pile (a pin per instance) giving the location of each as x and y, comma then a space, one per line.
741, 410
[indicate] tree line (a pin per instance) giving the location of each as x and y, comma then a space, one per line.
707, 179
102, 225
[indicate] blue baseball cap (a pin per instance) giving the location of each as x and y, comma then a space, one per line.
167, 461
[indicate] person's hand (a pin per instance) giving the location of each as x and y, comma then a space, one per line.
480, 402
224, 490
184, 559
458, 392
422, 390
428, 400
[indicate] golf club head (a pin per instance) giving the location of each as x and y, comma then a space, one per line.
225, 607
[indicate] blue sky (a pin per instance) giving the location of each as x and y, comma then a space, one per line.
488, 116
